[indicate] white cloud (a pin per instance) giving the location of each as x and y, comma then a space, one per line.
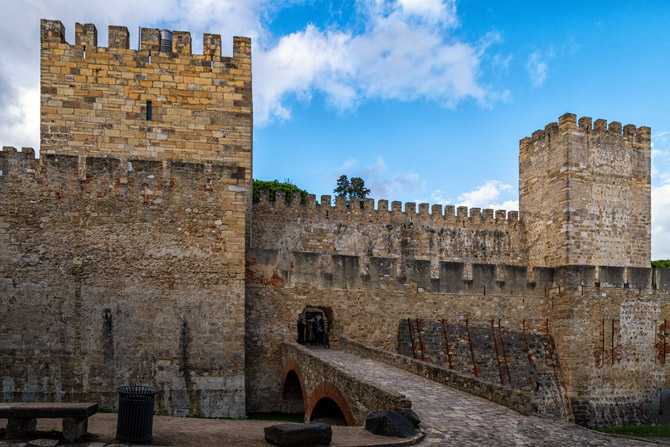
402, 182
660, 158
484, 196
399, 50
537, 68
437, 197
404, 52
487, 196
299, 63
660, 222
431, 10
20, 124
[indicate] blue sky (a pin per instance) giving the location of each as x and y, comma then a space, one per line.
425, 99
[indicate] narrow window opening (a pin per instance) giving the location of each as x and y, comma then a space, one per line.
150, 58
149, 111
84, 52
211, 64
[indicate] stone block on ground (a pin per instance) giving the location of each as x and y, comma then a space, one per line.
409, 414
388, 423
297, 435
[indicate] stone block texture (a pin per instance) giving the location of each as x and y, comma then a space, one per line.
122, 277
584, 194
131, 254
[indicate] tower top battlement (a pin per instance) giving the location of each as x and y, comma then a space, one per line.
568, 121
147, 103
86, 35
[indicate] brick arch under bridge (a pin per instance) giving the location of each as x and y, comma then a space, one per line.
320, 379
324, 390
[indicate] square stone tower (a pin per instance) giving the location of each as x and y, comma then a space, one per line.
159, 102
144, 189
585, 194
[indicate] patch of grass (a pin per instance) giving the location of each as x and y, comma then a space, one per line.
277, 417
643, 431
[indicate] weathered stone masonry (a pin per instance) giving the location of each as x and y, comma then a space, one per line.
124, 244
585, 193
130, 252
123, 277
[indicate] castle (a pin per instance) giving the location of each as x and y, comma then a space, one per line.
131, 252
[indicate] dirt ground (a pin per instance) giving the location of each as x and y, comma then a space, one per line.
194, 432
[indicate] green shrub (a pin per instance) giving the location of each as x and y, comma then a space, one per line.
661, 264
274, 186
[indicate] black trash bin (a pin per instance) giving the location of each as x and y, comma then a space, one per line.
136, 413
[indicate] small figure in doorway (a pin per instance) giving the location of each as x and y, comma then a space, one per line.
301, 331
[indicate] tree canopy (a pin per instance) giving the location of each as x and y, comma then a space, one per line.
661, 264
351, 189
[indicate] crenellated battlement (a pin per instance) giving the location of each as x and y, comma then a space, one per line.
86, 39
430, 233
569, 122
295, 269
367, 210
132, 180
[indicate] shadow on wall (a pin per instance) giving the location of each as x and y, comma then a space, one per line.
523, 359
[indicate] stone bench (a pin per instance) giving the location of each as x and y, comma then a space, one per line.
23, 417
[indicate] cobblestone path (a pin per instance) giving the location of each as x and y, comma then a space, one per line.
452, 417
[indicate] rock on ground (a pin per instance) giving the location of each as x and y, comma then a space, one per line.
389, 423
409, 414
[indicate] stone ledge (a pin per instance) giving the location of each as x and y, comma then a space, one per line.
514, 399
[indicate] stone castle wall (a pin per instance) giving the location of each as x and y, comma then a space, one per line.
585, 193
425, 236
129, 253
371, 307
609, 328
120, 276
146, 103
563, 321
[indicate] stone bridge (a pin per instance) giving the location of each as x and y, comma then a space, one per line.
311, 381
338, 386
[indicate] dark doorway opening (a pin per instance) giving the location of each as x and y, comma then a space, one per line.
327, 411
314, 327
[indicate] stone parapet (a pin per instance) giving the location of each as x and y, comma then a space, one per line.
515, 399
359, 229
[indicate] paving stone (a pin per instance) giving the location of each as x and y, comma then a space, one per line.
43, 443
